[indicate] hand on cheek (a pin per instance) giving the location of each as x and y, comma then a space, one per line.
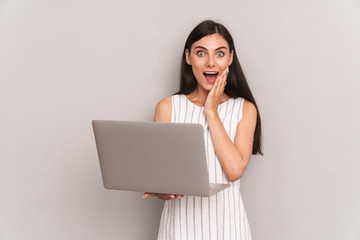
215, 95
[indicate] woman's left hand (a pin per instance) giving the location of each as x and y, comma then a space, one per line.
216, 93
162, 196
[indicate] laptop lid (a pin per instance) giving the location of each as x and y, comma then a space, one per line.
152, 157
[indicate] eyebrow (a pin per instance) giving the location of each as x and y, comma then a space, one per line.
201, 47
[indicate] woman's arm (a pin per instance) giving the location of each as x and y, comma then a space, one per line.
233, 157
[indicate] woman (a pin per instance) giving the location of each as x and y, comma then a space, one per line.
213, 92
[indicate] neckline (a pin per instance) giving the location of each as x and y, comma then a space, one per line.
201, 106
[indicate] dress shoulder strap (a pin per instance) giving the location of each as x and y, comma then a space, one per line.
176, 104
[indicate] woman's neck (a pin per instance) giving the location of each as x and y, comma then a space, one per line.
199, 95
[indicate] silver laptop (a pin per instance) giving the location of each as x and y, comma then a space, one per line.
153, 157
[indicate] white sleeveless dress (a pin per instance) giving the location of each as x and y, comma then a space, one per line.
221, 216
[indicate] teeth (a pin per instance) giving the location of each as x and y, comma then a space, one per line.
213, 73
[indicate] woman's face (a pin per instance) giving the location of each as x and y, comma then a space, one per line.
209, 57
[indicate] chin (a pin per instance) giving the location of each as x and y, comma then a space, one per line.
207, 87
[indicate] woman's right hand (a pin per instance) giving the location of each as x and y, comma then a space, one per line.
162, 196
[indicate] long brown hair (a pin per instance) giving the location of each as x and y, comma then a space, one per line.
236, 86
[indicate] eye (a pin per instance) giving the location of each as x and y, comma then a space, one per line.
200, 53
220, 54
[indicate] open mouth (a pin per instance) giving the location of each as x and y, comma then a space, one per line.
211, 76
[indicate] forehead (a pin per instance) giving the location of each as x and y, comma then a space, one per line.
211, 42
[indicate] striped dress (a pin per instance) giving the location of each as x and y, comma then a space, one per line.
221, 216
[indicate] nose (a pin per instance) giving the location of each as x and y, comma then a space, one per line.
210, 61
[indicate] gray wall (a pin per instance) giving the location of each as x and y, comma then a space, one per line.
64, 63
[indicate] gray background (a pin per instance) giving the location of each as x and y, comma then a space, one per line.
64, 63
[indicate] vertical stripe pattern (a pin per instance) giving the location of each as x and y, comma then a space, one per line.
221, 216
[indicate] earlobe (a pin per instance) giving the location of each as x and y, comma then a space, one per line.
187, 57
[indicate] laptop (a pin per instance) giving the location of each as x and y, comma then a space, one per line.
153, 157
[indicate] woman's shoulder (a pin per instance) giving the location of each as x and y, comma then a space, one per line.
249, 110
249, 106
246, 104
165, 103
163, 110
